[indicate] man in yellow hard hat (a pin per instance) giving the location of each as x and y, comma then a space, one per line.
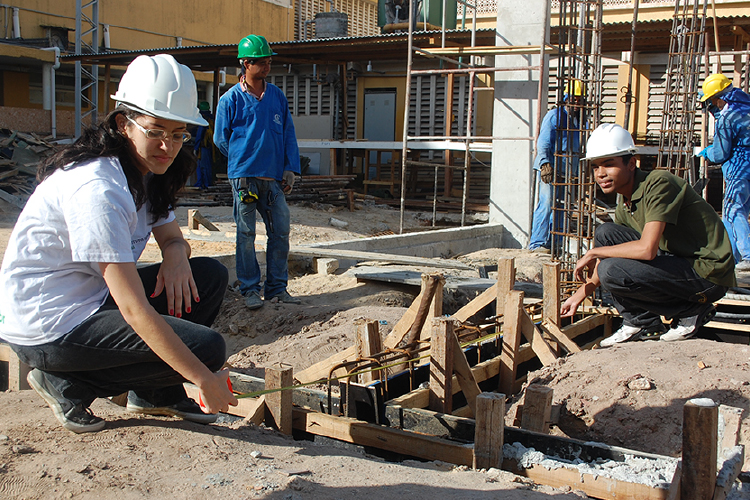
731, 147
557, 150
667, 253
254, 130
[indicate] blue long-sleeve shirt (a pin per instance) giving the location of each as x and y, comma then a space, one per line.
731, 146
551, 140
256, 135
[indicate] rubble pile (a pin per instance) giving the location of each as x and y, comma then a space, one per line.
20, 155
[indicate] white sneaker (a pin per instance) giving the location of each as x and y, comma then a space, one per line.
742, 266
625, 333
687, 327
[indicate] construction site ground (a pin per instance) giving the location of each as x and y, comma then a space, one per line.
135, 456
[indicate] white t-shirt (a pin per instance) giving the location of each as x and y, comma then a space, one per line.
50, 280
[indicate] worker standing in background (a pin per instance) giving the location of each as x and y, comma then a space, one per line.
731, 148
559, 134
204, 148
254, 130
667, 253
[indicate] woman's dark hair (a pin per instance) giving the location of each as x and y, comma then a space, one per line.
104, 140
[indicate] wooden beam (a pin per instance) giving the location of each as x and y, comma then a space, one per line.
551, 295
279, 403
465, 376
506, 278
197, 219
429, 287
489, 431
546, 354
537, 408
728, 472
556, 333
729, 432
367, 336
699, 445
584, 326
477, 304
441, 366
385, 438
511, 341
436, 307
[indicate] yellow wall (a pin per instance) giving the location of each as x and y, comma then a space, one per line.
16, 90
638, 125
198, 22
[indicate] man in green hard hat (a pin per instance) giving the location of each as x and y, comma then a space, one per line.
254, 130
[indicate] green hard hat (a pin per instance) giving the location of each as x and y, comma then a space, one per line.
254, 47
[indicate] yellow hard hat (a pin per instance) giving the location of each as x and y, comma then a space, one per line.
713, 85
575, 88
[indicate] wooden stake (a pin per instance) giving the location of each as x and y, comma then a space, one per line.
537, 408
279, 403
441, 365
699, 443
436, 307
546, 353
511, 341
196, 219
551, 293
489, 430
429, 286
465, 376
368, 343
506, 278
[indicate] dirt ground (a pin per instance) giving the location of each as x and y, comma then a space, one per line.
135, 457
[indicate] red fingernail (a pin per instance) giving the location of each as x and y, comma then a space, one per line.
197, 299
187, 310
153, 295
179, 315
171, 312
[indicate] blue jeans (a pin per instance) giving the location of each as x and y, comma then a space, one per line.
644, 290
272, 207
542, 219
734, 215
104, 357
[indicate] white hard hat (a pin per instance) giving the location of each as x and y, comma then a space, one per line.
161, 87
609, 139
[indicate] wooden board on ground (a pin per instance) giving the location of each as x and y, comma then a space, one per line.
337, 253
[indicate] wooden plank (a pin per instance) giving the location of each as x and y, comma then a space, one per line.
367, 335
429, 287
728, 472
489, 431
196, 219
5, 352
537, 408
480, 302
584, 326
556, 333
245, 406
730, 422
511, 341
465, 377
385, 438
546, 354
436, 308
13, 200
341, 254
279, 403
441, 366
506, 278
700, 418
594, 486
551, 297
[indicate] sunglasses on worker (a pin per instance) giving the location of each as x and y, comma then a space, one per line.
264, 60
161, 135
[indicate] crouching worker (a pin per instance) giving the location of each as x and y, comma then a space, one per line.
74, 306
667, 254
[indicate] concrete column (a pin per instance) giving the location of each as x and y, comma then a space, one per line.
515, 117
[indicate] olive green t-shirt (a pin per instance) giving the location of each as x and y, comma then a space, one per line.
693, 229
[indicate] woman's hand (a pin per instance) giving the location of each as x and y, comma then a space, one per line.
175, 277
215, 395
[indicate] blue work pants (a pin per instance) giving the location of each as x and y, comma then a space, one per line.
541, 225
273, 210
734, 215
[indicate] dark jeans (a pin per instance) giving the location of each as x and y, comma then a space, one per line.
645, 290
103, 356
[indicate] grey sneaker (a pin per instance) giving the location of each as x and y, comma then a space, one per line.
685, 328
285, 298
253, 300
75, 418
627, 332
187, 409
742, 266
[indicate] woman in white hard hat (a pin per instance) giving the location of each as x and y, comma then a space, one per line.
74, 306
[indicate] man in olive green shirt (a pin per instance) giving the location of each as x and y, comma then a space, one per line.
667, 254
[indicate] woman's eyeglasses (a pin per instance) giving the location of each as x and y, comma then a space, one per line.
161, 135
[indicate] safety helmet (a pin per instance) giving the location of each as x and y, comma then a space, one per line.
713, 85
575, 88
254, 47
159, 86
609, 139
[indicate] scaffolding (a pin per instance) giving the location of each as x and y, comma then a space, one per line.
574, 209
86, 77
466, 61
684, 70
